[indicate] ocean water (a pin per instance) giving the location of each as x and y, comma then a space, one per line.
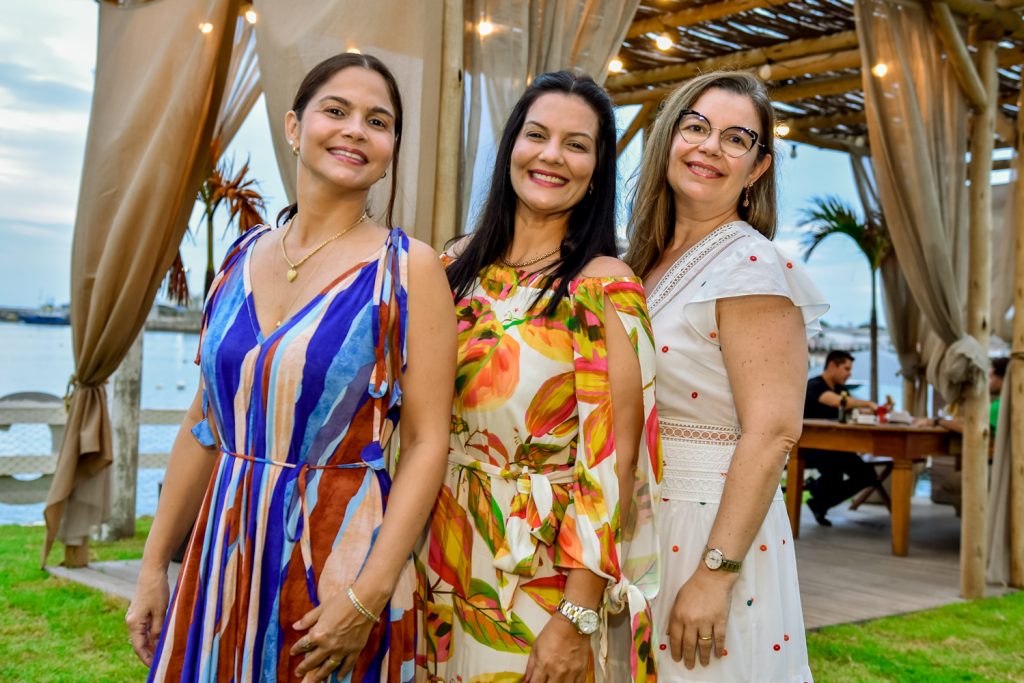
39, 358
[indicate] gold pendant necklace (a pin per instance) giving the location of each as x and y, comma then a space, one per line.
293, 268
530, 262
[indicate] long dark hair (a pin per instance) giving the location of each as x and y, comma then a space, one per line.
591, 230
323, 72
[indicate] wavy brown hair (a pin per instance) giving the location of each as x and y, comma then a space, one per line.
653, 219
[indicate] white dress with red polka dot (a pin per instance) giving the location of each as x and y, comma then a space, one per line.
699, 430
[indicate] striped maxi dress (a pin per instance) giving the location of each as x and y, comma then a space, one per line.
305, 417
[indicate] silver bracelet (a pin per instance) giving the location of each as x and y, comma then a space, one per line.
367, 614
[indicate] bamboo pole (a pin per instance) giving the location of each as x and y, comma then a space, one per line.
638, 122
736, 60
956, 50
1017, 373
987, 11
826, 122
832, 85
810, 65
976, 407
449, 128
696, 15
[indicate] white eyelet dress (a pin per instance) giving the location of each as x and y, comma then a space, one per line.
699, 430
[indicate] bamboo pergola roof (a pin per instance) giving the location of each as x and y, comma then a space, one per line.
806, 50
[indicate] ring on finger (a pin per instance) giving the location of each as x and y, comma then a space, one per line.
306, 645
332, 663
700, 637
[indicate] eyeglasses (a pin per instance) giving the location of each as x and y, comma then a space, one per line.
735, 141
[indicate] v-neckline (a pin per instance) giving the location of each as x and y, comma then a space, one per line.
662, 289
286, 322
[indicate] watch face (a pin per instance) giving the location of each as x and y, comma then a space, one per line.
713, 558
588, 622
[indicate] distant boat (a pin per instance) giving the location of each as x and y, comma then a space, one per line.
54, 318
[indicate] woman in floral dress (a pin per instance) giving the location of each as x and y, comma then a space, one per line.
544, 524
316, 338
730, 314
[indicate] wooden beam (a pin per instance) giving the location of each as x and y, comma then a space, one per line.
816, 140
1006, 129
974, 466
985, 10
735, 60
638, 122
959, 57
825, 122
1010, 56
810, 65
449, 129
696, 15
1009, 4
1017, 372
833, 85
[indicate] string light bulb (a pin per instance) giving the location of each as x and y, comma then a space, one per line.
781, 129
485, 28
880, 69
206, 27
615, 66
663, 42
251, 16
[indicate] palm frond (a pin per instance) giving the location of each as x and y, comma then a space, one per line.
177, 282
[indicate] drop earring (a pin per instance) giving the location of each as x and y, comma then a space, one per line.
746, 196
295, 148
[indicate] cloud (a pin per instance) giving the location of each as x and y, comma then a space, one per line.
25, 90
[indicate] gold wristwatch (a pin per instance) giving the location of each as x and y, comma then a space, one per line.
714, 559
585, 620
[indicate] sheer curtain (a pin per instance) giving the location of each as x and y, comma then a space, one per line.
917, 118
292, 37
529, 37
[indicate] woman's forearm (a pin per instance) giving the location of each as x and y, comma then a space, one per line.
750, 486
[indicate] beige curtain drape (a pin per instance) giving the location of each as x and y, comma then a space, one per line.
294, 36
158, 86
917, 118
243, 87
530, 37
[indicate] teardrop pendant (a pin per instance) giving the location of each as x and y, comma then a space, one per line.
292, 274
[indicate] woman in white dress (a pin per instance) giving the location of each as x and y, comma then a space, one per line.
730, 313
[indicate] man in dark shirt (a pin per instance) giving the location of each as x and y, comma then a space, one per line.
840, 474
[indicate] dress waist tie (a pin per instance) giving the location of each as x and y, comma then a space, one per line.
301, 534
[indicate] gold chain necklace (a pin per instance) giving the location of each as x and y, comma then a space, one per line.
530, 262
293, 268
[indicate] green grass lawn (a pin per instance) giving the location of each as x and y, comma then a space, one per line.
53, 630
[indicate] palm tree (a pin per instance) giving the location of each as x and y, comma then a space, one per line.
831, 216
244, 204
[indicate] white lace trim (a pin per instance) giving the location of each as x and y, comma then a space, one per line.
694, 255
697, 460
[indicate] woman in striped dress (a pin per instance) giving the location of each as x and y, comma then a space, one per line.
314, 335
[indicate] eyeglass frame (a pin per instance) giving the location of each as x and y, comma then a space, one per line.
721, 132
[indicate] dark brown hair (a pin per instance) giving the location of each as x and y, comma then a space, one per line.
323, 72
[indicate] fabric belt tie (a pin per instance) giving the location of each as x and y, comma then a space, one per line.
531, 518
301, 534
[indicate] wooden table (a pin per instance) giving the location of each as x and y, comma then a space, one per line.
905, 445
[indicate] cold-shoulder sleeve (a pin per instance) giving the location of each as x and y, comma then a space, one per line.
754, 266
618, 545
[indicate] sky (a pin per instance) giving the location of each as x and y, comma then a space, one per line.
47, 60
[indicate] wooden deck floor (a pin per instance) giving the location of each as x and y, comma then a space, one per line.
847, 572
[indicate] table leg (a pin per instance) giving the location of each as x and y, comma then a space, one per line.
902, 489
794, 489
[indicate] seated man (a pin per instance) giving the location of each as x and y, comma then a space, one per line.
841, 474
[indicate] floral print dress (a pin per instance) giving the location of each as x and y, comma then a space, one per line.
531, 489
